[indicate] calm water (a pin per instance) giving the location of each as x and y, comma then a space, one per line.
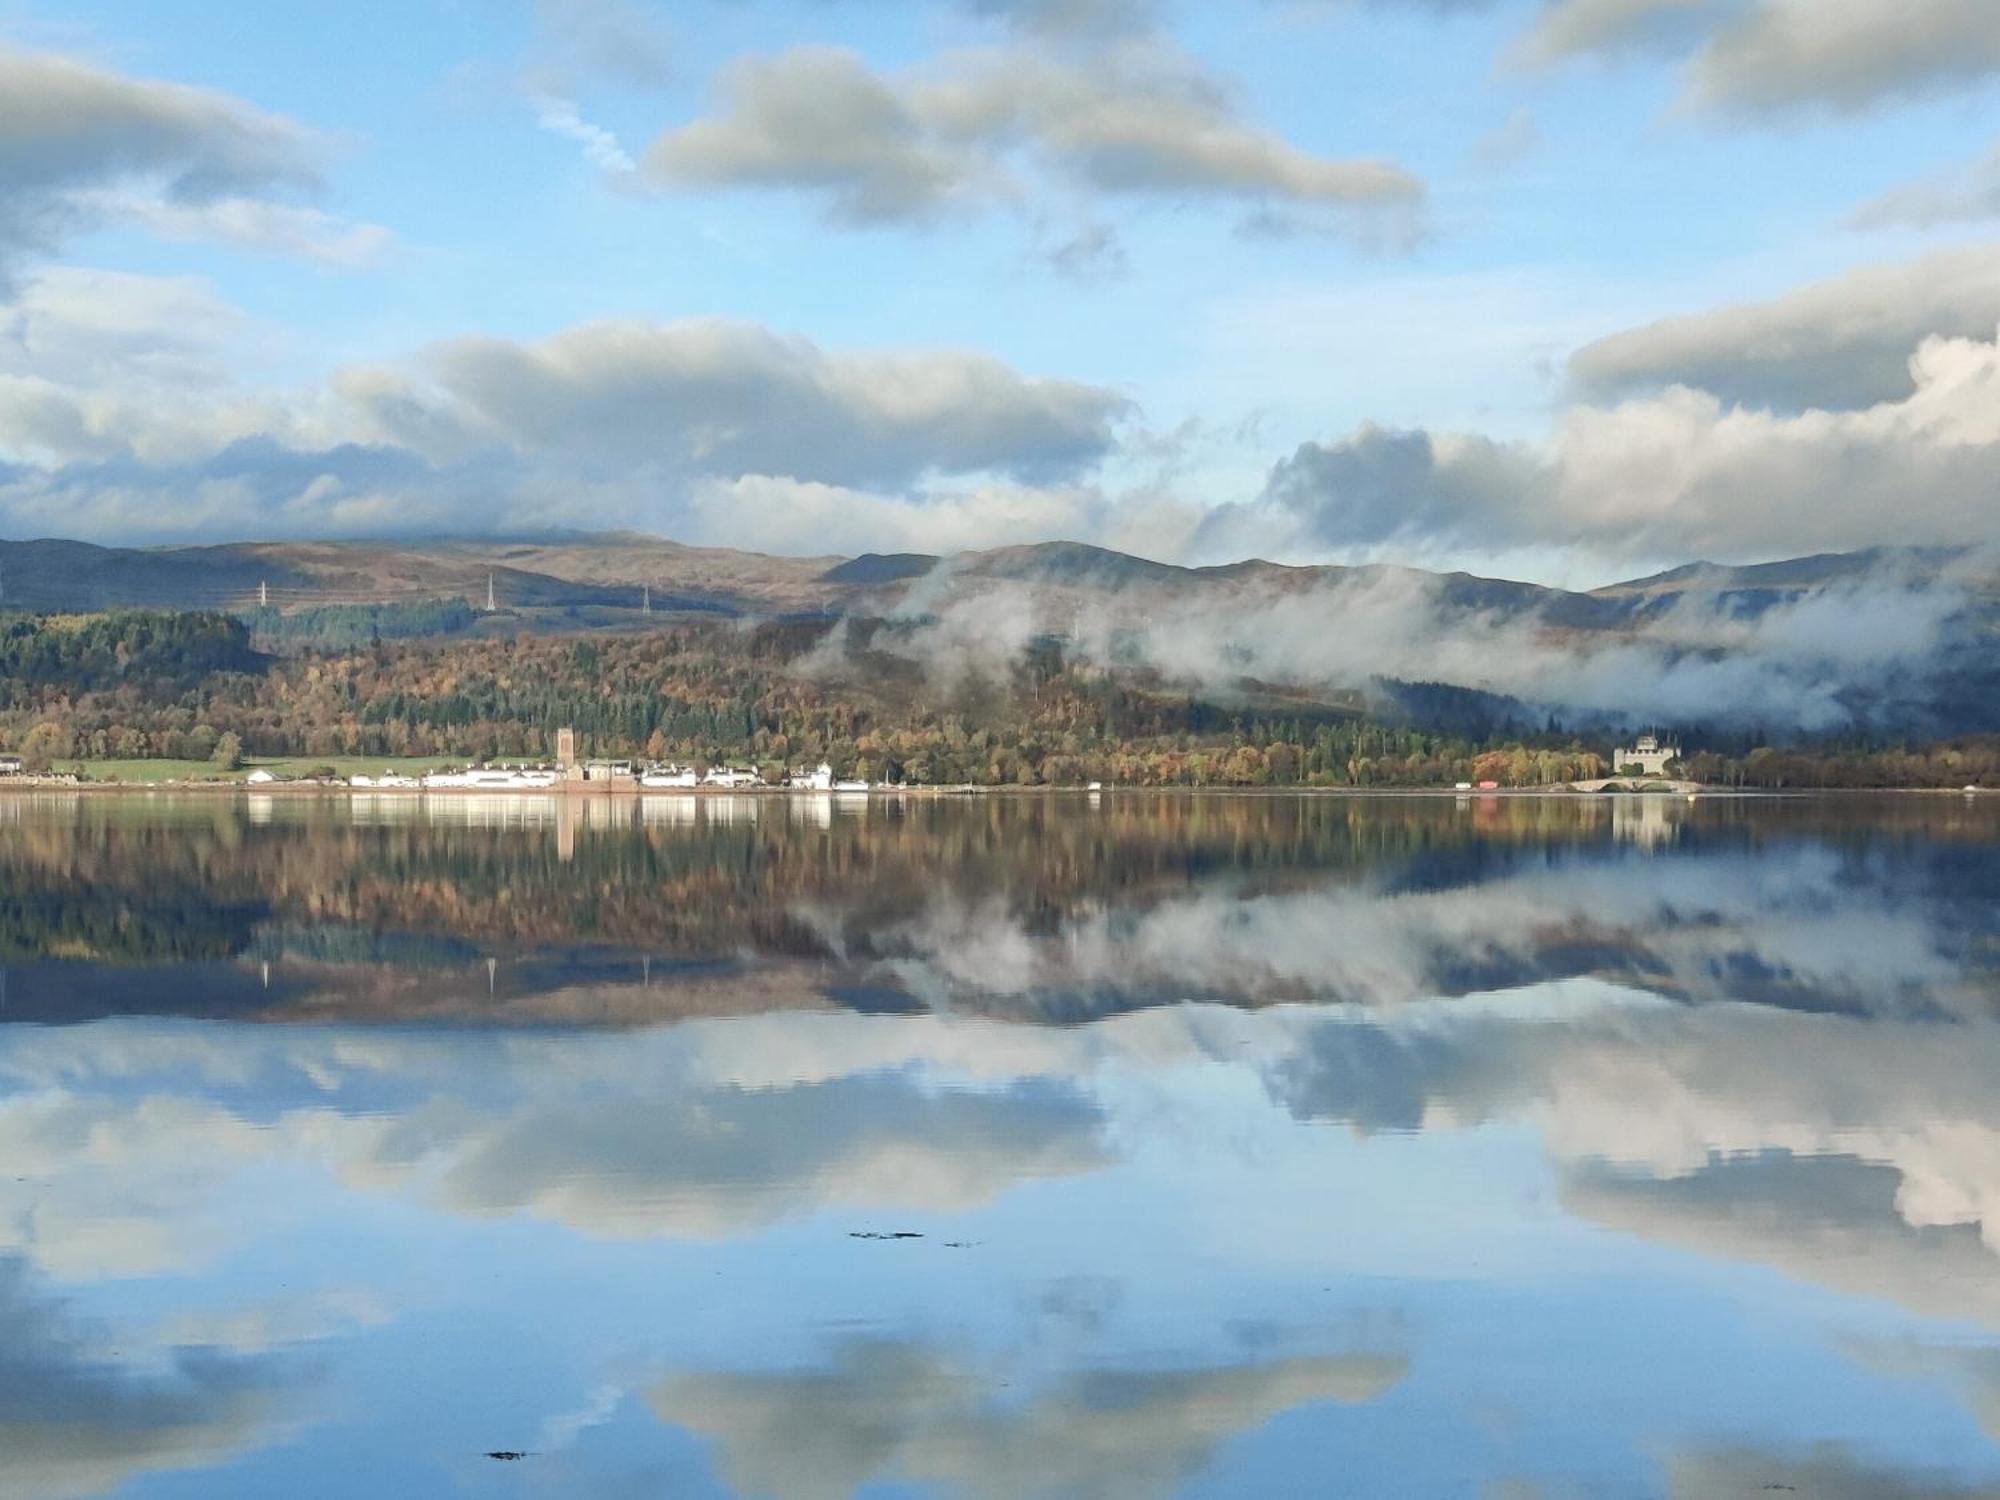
1134, 1147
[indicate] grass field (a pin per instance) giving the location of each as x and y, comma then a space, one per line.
146, 772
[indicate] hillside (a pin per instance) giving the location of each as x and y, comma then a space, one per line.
618, 570
1886, 641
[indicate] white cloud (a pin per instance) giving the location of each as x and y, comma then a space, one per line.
976, 130
82, 1419
1843, 55
1844, 342
712, 397
600, 147
882, 1409
1760, 59
80, 145
1680, 474
1572, 28
1970, 192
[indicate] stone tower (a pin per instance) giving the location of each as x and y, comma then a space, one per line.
565, 747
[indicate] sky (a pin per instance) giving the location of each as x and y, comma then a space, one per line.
1557, 289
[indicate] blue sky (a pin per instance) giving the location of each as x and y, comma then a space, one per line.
1302, 280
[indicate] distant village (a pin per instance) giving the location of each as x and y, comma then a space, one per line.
606, 776
1649, 758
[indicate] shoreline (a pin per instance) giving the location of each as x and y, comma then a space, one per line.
23, 785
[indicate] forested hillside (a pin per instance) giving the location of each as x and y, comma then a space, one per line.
135, 685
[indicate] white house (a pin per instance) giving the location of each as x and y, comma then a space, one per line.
663, 776
819, 780
1649, 755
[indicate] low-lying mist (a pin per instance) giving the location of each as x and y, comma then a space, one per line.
1894, 646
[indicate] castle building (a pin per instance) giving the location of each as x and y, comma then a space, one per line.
1648, 754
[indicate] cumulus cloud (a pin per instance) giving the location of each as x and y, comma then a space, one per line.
1841, 343
977, 130
119, 405
722, 1162
613, 1136
818, 120
710, 396
883, 1409
1681, 474
1376, 486
80, 145
101, 364
730, 433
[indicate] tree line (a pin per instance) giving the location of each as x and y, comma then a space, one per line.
135, 685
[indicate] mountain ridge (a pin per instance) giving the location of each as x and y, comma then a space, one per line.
623, 573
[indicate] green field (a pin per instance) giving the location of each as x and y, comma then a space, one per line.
147, 772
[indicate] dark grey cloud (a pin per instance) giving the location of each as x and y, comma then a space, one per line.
983, 130
1377, 486
1836, 344
80, 144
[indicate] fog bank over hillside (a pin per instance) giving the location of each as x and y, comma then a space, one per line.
1885, 641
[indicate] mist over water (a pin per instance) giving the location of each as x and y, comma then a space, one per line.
1132, 1145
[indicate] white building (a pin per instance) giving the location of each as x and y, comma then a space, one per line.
1649, 755
820, 779
665, 776
731, 776
491, 779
